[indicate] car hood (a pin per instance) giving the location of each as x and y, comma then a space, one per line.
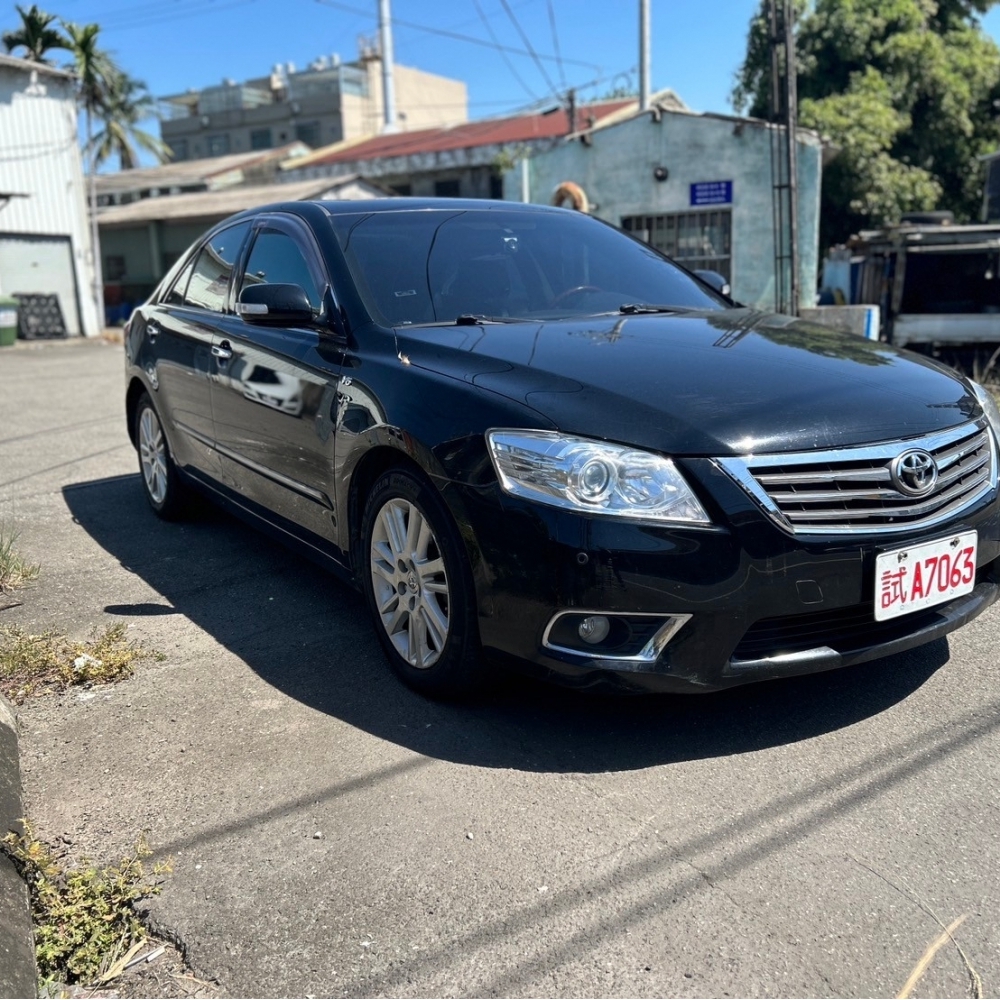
723, 382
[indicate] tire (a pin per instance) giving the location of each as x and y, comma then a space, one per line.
416, 579
161, 482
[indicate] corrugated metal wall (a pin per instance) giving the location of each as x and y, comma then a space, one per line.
40, 158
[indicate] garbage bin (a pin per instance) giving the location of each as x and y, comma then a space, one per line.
8, 321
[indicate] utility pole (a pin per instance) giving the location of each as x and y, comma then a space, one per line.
644, 50
784, 155
791, 139
385, 47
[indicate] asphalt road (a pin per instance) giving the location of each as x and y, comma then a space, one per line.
334, 834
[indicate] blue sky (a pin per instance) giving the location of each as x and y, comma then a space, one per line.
177, 44
173, 45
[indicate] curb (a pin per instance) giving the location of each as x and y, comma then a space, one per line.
18, 977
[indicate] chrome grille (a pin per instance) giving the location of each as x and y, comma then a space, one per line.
851, 490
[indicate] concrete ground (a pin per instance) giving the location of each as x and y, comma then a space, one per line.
334, 834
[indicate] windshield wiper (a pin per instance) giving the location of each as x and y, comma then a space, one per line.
475, 319
633, 308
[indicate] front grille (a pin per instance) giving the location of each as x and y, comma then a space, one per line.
845, 630
851, 490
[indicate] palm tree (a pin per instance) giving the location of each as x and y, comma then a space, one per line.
35, 34
125, 102
92, 66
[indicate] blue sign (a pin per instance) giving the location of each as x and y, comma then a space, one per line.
712, 193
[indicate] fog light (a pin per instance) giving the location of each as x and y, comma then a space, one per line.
594, 629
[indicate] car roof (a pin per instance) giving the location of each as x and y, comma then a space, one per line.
401, 204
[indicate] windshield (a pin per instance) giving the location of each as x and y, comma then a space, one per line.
417, 267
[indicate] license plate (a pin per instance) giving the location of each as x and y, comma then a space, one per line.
921, 576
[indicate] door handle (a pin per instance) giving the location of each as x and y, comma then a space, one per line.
152, 330
223, 351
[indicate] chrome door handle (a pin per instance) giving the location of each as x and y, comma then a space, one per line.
222, 351
152, 330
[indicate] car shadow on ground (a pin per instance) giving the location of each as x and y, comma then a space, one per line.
308, 635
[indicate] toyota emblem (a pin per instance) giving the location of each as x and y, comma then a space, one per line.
914, 473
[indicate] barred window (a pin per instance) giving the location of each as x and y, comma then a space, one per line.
695, 239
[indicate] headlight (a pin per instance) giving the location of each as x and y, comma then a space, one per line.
989, 404
593, 477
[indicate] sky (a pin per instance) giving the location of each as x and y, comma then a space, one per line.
176, 45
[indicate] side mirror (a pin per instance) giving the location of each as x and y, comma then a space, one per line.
715, 280
275, 305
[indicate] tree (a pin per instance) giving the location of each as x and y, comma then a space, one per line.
35, 35
904, 88
124, 103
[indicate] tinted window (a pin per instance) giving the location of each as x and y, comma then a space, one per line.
176, 294
276, 258
210, 280
433, 266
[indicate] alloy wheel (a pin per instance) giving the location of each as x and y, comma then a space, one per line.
153, 455
409, 582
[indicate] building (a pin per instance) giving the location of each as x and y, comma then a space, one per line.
45, 246
696, 186
463, 161
142, 237
190, 176
327, 102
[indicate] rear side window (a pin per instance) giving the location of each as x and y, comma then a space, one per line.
210, 279
277, 259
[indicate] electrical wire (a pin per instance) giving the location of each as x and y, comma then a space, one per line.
503, 55
555, 42
415, 142
531, 49
166, 16
445, 33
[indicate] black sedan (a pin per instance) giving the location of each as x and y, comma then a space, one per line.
529, 438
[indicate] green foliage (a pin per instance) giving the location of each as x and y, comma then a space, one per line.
14, 571
86, 924
111, 99
30, 664
904, 88
124, 103
35, 35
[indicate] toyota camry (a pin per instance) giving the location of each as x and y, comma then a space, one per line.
531, 439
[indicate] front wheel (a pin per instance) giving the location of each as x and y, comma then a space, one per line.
161, 481
418, 586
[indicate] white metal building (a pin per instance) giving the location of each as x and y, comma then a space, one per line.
45, 244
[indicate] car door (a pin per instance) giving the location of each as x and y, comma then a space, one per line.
181, 330
275, 394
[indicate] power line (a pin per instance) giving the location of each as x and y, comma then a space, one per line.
177, 14
555, 43
503, 55
405, 143
458, 36
529, 46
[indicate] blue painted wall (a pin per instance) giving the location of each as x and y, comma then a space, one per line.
616, 172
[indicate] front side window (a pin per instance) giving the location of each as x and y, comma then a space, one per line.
210, 279
434, 266
277, 259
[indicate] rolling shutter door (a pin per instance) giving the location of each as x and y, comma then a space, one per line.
41, 264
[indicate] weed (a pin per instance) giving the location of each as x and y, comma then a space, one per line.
14, 571
30, 664
86, 924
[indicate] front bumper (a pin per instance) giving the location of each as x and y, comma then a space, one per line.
763, 604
